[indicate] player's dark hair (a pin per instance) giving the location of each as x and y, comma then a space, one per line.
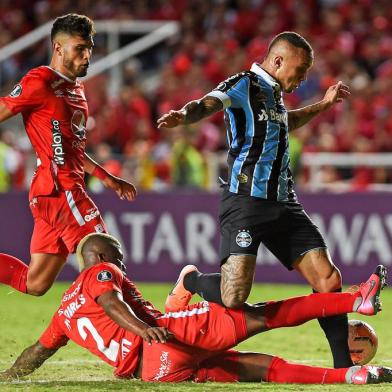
73, 24
294, 39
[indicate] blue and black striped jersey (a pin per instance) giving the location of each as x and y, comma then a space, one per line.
257, 131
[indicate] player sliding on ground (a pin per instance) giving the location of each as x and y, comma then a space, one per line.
105, 313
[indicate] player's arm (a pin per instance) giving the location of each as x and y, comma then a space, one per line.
124, 189
192, 112
122, 314
30, 359
335, 93
5, 113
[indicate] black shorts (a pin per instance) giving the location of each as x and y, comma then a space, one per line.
283, 227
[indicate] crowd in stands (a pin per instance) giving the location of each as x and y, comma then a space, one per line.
352, 40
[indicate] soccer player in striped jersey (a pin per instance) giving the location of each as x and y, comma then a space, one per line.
258, 202
104, 312
54, 108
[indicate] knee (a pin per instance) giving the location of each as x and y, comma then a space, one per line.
329, 283
37, 289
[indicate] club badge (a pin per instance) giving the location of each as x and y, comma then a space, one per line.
243, 239
16, 91
104, 276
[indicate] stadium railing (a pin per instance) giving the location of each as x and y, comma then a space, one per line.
153, 32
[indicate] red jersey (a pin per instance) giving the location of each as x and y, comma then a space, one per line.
82, 320
54, 110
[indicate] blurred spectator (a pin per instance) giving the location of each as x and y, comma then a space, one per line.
188, 166
11, 163
352, 40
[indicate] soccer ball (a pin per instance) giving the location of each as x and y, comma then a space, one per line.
362, 342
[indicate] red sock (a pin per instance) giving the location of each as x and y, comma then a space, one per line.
298, 310
13, 272
285, 372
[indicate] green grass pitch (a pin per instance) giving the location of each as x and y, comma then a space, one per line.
23, 318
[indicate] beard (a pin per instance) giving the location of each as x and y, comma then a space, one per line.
74, 70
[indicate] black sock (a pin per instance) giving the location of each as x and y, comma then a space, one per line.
336, 331
206, 285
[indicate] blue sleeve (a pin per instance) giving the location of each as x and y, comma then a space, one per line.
233, 92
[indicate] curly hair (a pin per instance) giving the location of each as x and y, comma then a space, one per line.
73, 24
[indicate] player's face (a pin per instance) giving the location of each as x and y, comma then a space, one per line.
77, 53
115, 256
294, 69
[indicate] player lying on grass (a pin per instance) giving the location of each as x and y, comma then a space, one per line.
105, 313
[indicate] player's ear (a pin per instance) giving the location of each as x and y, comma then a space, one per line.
101, 257
57, 48
278, 61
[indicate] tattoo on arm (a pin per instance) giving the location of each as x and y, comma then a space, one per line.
197, 110
299, 117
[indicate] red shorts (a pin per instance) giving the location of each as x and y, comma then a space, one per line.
206, 331
61, 221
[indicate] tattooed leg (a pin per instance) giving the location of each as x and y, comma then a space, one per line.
237, 279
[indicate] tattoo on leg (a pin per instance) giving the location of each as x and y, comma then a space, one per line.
237, 279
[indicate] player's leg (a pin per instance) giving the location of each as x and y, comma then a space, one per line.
298, 310
34, 279
68, 218
282, 371
43, 271
237, 275
230, 288
79, 217
48, 255
233, 366
317, 268
240, 240
307, 253
13, 272
189, 282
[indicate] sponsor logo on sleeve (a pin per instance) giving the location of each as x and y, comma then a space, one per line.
16, 91
104, 276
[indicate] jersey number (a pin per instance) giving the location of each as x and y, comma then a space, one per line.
111, 352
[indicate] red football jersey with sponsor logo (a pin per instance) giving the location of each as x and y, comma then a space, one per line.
82, 320
54, 110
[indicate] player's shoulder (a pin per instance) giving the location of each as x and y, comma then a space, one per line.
234, 80
39, 76
104, 272
239, 76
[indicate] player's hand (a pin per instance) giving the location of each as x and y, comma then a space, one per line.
172, 119
336, 93
156, 334
124, 189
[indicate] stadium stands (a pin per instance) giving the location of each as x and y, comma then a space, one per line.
352, 41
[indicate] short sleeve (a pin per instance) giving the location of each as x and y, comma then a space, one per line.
233, 92
54, 337
27, 95
104, 277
